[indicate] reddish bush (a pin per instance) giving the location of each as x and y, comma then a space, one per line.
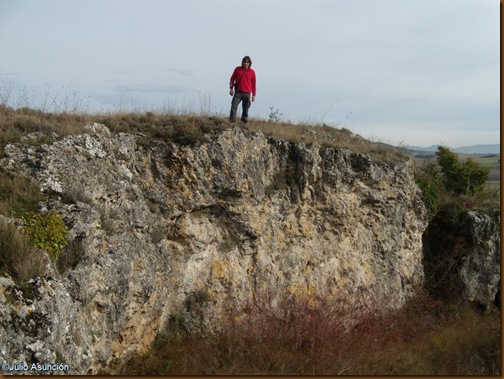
426, 337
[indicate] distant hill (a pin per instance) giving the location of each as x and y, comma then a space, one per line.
474, 149
419, 148
479, 149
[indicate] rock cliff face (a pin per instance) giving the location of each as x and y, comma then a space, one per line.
480, 268
462, 255
173, 233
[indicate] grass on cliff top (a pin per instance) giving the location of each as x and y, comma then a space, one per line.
186, 129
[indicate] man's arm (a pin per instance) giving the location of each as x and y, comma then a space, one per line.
231, 82
254, 87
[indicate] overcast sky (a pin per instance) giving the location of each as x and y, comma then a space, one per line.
416, 72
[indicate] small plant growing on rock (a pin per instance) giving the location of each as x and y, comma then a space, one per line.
275, 115
47, 232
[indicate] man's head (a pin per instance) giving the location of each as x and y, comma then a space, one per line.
246, 62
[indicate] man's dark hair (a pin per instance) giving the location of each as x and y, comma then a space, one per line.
247, 58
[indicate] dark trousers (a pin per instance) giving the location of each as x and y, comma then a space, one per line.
238, 97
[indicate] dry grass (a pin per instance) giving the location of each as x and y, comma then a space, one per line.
18, 258
328, 136
17, 123
427, 337
188, 129
18, 195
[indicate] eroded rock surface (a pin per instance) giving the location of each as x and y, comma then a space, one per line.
172, 233
480, 269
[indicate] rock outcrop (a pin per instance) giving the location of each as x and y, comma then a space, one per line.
480, 269
462, 255
165, 233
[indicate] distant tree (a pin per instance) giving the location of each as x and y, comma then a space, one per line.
475, 175
465, 177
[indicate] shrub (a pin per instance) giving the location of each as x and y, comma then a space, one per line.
430, 184
18, 257
47, 232
458, 183
466, 177
301, 338
274, 115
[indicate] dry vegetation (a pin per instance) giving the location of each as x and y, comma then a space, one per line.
18, 257
18, 195
426, 337
182, 128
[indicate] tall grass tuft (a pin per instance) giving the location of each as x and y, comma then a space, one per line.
18, 257
18, 195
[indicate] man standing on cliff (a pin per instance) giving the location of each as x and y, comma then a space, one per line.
242, 84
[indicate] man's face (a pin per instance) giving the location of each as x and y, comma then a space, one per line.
246, 64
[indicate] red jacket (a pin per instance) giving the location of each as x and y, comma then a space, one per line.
245, 80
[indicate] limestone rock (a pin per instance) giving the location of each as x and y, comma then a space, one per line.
175, 234
480, 270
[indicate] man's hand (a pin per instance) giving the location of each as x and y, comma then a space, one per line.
231, 91
253, 98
